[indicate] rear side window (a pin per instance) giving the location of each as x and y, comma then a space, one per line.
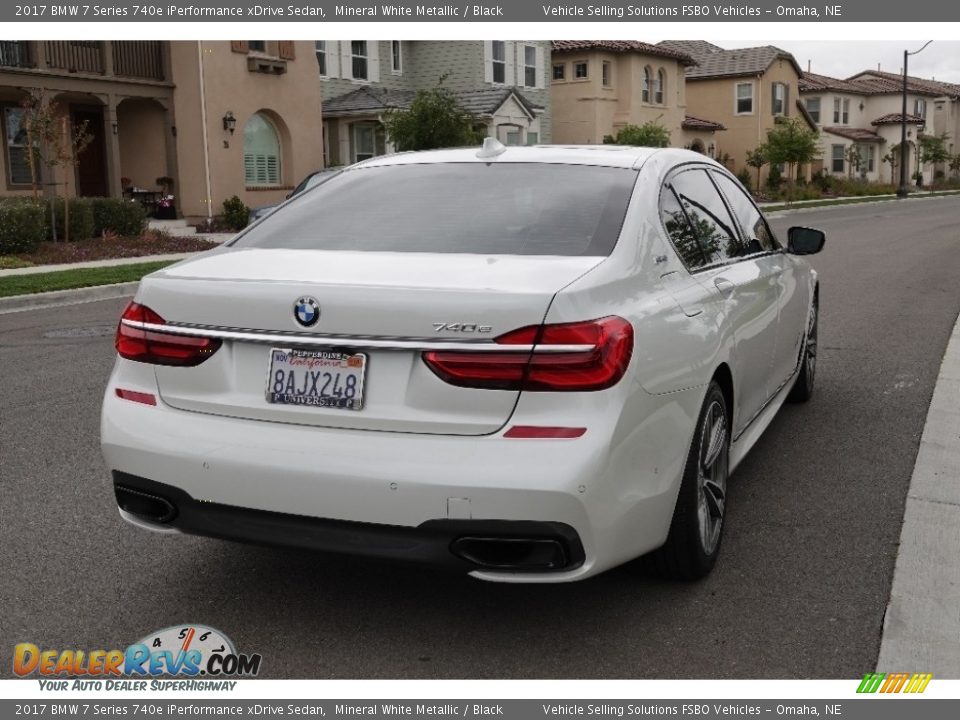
707, 215
758, 235
508, 208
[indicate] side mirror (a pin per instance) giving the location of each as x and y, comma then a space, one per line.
805, 241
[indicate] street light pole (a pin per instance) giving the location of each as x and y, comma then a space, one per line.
902, 191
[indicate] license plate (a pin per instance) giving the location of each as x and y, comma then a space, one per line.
321, 378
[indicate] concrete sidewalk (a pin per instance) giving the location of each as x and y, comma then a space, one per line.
109, 262
921, 628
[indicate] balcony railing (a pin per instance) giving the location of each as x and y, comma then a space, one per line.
14, 53
75, 55
138, 59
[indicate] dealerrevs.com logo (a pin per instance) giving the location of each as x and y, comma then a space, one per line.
180, 651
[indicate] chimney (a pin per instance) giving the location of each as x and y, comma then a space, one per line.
808, 65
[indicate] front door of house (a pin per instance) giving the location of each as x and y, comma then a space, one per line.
91, 162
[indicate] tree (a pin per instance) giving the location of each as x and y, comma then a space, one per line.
434, 120
854, 160
55, 143
650, 134
757, 158
792, 143
892, 158
933, 149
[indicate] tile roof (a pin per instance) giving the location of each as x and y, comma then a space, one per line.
692, 123
881, 83
812, 82
623, 46
713, 62
858, 134
897, 118
368, 99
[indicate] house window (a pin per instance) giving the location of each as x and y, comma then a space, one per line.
15, 136
920, 108
580, 71
358, 54
261, 152
257, 46
837, 158
559, 72
846, 112
841, 117
813, 107
779, 98
321, 50
647, 82
513, 137
396, 57
836, 111
529, 66
605, 74
658, 89
364, 141
744, 98
533, 138
499, 61
870, 157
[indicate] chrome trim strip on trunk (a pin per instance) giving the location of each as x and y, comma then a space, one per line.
266, 337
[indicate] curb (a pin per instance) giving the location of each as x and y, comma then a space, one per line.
39, 301
885, 199
921, 624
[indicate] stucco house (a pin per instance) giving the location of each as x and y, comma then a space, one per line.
865, 111
744, 89
219, 118
503, 83
601, 86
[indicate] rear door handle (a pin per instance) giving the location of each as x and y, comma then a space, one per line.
724, 286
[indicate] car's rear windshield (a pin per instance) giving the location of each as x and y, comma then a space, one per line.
509, 208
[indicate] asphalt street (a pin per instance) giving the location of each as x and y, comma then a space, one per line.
814, 516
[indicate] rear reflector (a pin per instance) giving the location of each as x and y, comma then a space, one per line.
155, 346
139, 397
538, 432
608, 344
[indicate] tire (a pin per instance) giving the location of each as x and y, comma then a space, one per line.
696, 530
802, 389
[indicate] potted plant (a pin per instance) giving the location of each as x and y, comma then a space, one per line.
166, 184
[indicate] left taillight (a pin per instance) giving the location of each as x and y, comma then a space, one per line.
140, 338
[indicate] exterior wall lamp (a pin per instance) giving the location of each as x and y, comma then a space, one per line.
229, 122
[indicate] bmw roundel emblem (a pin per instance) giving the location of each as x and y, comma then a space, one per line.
306, 311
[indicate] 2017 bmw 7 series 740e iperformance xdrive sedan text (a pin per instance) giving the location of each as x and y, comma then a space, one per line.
529, 363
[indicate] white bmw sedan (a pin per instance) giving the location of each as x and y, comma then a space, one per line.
529, 364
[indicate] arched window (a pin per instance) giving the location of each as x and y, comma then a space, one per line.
659, 88
261, 151
645, 94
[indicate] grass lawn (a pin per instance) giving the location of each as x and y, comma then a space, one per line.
79, 278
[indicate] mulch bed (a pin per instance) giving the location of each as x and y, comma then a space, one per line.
50, 253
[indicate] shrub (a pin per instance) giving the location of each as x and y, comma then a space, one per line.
81, 219
236, 215
744, 177
775, 178
22, 225
121, 216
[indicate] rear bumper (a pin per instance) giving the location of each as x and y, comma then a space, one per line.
463, 545
603, 498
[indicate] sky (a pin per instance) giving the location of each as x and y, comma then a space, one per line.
842, 59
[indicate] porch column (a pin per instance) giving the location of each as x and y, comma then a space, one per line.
170, 147
114, 172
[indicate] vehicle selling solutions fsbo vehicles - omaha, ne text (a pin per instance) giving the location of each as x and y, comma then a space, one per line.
528, 363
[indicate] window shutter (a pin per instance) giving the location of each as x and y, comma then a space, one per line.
373, 60
510, 55
773, 98
285, 50
240, 46
786, 100
520, 79
488, 61
540, 69
346, 62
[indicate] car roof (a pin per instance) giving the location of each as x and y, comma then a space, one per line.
622, 156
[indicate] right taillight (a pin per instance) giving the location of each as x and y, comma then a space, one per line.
139, 338
582, 356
